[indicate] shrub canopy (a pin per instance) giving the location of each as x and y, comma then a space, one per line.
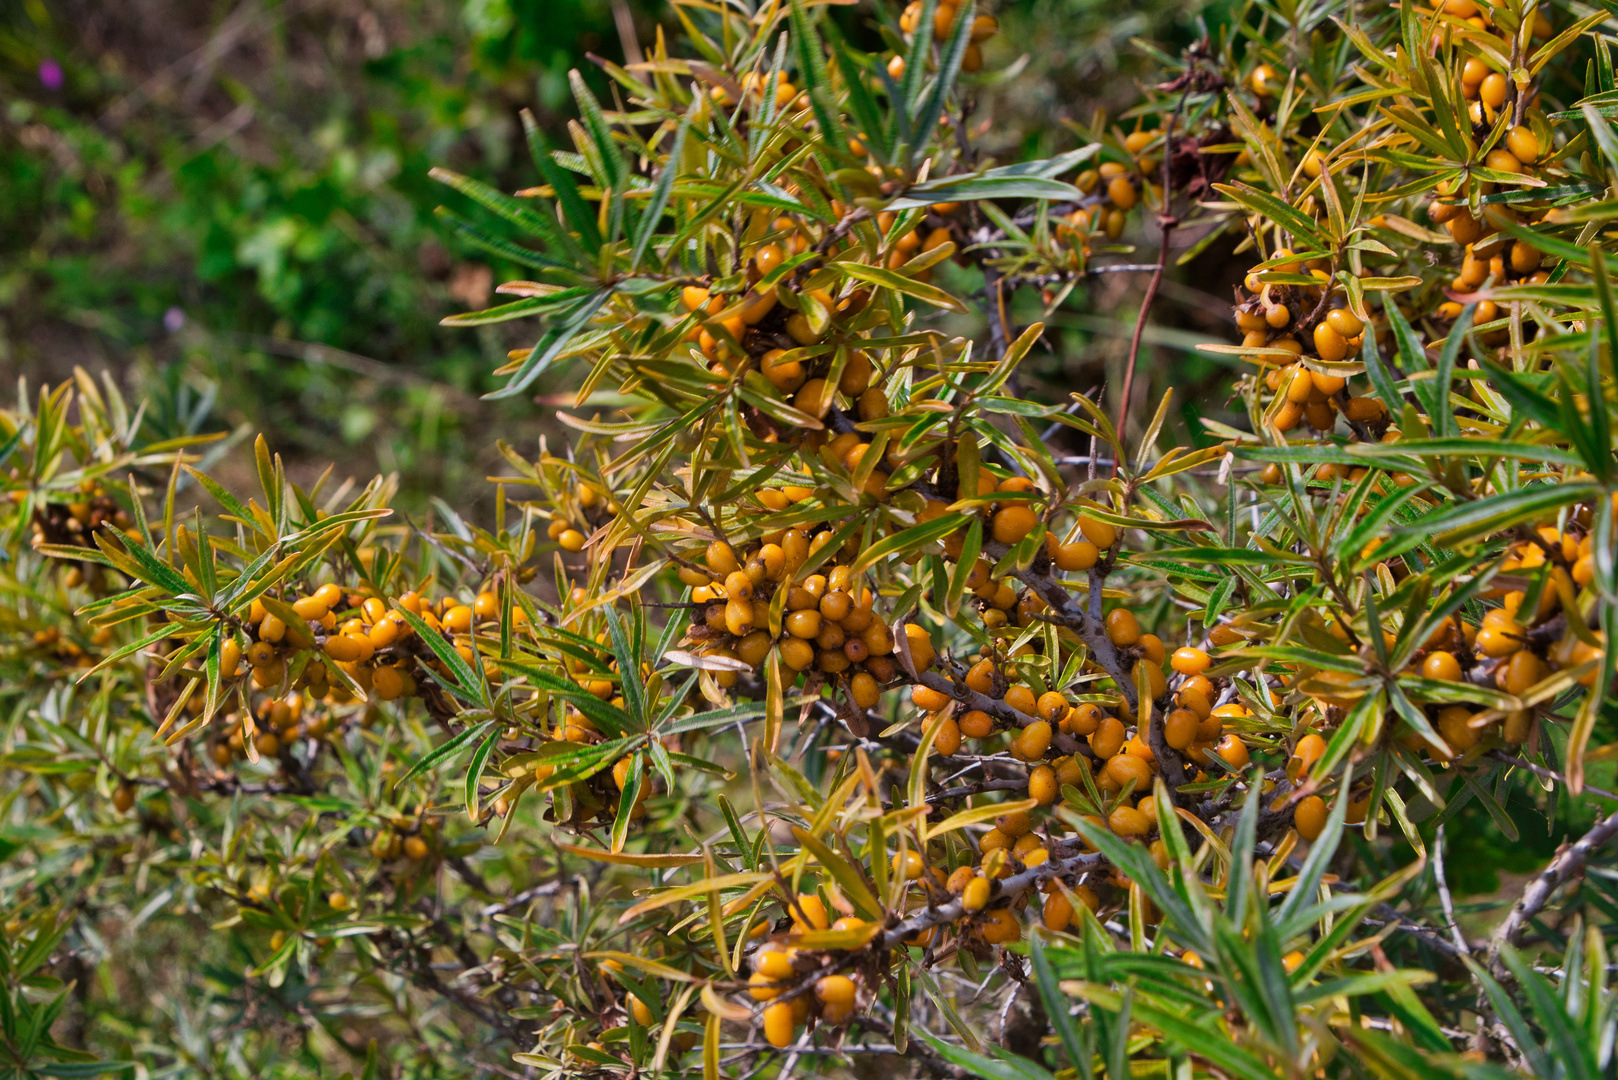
827, 697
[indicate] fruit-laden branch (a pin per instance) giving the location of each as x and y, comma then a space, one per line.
956, 688
1562, 869
1011, 887
1088, 624
1066, 609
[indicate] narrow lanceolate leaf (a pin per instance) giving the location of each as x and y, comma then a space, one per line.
461, 681
816, 78
908, 540
653, 214
892, 279
853, 883
474, 772
1461, 523
949, 68
1436, 390
1304, 228
628, 858
1027, 180
468, 736
498, 202
691, 892
549, 347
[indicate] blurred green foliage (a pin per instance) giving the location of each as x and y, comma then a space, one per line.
239, 190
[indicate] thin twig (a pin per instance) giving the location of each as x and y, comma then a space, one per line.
1444, 896
1166, 222
1550, 774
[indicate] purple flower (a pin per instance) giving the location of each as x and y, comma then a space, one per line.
174, 320
50, 74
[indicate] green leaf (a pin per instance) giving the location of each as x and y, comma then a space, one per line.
816, 79
498, 246
462, 681
450, 747
907, 540
653, 213
1458, 524
1575, 1058
892, 279
1304, 228
498, 202
612, 160
860, 101
1056, 1003
1027, 180
846, 874
949, 69
474, 772
1004, 1066
567, 192
549, 347
1436, 390
606, 717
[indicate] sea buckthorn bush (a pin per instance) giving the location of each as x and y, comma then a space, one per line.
825, 699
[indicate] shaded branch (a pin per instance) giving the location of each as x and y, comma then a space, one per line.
1568, 864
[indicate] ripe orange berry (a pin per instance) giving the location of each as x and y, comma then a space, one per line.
1454, 724
1500, 640
1310, 817
981, 677
836, 990
1051, 706
1057, 913
947, 740
1013, 522
1122, 627
1234, 751
1033, 742
1127, 821
813, 908
1108, 738
1084, 719
1190, 661
230, 658
977, 724
1122, 768
1077, 556
1441, 665
388, 682
1309, 750
1522, 671
1043, 786
1000, 926
780, 1025
865, 690
906, 865
1021, 698
1180, 728
1493, 89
